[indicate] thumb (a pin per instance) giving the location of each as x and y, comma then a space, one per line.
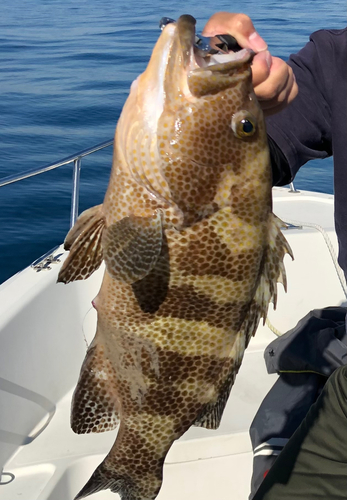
238, 25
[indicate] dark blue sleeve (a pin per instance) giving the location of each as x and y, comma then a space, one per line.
302, 131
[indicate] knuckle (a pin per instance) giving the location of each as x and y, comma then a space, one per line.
290, 73
272, 90
243, 23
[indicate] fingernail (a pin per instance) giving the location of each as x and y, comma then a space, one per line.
268, 58
256, 42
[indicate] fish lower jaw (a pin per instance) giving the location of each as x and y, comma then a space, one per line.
217, 59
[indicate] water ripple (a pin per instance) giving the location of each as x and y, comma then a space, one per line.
65, 71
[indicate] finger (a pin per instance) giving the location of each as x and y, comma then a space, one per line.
279, 106
285, 97
238, 25
261, 67
276, 82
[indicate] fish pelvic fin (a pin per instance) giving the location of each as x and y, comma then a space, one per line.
131, 246
94, 404
84, 242
272, 272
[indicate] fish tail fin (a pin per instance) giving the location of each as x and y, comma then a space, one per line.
103, 479
84, 242
95, 484
132, 468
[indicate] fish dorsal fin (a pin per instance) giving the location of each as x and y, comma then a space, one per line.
84, 242
94, 407
272, 272
131, 246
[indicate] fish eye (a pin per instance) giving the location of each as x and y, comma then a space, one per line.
243, 124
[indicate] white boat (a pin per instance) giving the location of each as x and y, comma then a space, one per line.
44, 332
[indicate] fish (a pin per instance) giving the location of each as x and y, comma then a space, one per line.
192, 252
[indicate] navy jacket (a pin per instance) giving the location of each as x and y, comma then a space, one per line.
304, 358
314, 125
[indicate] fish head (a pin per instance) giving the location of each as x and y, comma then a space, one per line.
192, 130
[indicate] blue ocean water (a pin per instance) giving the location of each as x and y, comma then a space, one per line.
65, 71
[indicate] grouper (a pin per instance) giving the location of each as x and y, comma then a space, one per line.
192, 253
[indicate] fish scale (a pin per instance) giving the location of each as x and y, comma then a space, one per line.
192, 252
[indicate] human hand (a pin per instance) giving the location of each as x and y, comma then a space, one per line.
273, 80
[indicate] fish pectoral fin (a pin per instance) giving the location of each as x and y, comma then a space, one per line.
94, 404
84, 242
272, 272
83, 224
131, 247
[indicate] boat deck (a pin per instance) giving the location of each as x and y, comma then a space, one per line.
43, 345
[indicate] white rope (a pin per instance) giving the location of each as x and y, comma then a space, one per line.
331, 249
272, 328
333, 256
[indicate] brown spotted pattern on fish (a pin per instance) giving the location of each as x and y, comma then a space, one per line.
192, 252
96, 395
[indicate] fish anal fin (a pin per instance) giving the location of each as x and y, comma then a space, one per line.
131, 246
84, 242
272, 272
212, 414
94, 405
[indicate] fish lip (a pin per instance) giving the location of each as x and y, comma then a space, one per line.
186, 32
223, 62
195, 61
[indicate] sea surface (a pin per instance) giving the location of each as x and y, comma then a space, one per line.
65, 72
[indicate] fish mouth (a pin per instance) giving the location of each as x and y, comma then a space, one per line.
194, 59
193, 74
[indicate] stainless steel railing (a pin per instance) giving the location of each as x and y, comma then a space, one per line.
76, 159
